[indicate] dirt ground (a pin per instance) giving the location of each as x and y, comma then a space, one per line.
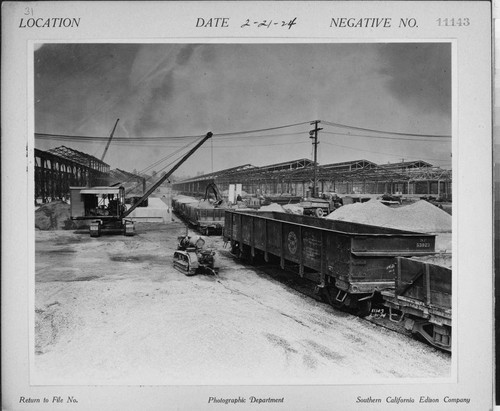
113, 310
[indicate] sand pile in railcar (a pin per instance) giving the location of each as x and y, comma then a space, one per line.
273, 207
420, 216
185, 199
54, 216
293, 209
205, 204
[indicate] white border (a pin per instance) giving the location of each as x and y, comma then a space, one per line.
472, 298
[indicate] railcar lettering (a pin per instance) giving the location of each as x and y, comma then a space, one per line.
292, 242
423, 245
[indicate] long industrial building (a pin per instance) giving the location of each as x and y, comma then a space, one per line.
417, 178
58, 169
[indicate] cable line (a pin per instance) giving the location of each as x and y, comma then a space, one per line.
385, 132
47, 136
383, 137
259, 130
66, 137
375, 152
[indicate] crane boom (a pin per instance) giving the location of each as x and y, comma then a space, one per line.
167, 175
109, 140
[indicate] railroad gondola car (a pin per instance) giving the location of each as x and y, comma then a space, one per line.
421, 299
346, 261
201, 215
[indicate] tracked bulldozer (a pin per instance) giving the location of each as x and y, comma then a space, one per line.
192, 258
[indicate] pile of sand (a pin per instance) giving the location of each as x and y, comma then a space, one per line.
182, 199
54, 216
420, 216
293, 209
204, 204
272, 207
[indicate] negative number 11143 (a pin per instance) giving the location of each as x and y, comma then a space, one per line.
453, 22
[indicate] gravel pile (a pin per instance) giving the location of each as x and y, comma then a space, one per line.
273, 207
205, 204
293, 209
420, 216
54, 216
182, 199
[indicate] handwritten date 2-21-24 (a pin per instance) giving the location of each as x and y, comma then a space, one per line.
270, 23
453, 22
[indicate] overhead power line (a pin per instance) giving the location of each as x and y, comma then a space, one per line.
376, 152
335, 133
385, 132
130, 139
51, 136
260, 130
67, 137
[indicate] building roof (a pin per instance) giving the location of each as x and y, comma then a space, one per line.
358, 170
77, 157
407, 164
288, 165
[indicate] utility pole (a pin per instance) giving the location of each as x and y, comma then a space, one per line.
313, 134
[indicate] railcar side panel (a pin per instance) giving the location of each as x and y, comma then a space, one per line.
357, 260
247, 229
292, 242
260, 234
274, 243
338, 255
312, 253
393, 245
428, 283
236, 226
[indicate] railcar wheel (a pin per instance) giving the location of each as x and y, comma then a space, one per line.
364, 308
235, 248
246, 254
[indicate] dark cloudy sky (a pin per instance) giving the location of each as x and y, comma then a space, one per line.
173, 90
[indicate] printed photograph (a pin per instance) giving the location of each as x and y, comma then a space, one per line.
242, 213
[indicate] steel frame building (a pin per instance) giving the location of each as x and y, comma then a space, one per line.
58, 169
417, 178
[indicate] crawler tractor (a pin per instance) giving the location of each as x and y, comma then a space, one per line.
191, 259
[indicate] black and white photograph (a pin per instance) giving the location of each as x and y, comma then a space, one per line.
318, 204
252, 211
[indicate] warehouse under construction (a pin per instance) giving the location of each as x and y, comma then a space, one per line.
58, 169
410, 178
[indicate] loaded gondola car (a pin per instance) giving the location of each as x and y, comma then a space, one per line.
421, 299
346, 261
